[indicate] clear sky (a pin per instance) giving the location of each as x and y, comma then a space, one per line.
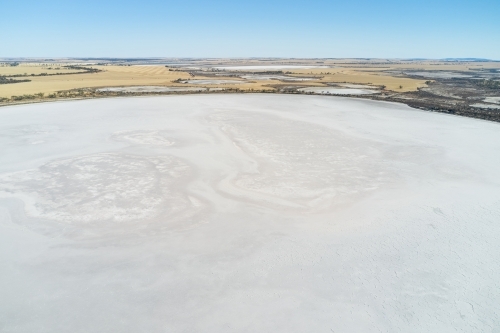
253, 28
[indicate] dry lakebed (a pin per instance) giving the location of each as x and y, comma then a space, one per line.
247, 213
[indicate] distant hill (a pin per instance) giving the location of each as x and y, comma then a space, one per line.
469, 59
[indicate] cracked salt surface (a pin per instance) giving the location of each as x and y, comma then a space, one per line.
223, 213
101, 187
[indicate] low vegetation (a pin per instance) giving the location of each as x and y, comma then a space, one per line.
85, 69
27, 97
490, 84
6, 80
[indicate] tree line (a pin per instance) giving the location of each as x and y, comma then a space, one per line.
5, 80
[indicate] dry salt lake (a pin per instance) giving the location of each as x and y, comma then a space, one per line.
247, 213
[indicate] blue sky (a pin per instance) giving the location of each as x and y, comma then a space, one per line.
152, 28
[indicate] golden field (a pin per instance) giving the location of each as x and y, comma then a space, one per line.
342, 71
111, 76
362, 76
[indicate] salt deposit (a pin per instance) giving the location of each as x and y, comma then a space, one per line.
495, 100
274, 77
139, 89
485, 106
338, 91
215, 81
266, 67
439, 75
353, 85
247, 213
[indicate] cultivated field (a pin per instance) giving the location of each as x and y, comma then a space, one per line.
364, 76
110, 76
160, 75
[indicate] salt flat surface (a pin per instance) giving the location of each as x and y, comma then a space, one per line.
215, 81
266, 67
150, 88
439, 75
485, 106
247, 213
353, 85
338, 91
274, 77
495, 100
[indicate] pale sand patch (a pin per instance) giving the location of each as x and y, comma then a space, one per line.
247, 213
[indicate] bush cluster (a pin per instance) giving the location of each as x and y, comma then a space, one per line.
491, 84
27, 97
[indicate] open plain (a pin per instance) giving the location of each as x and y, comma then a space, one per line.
247, 213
